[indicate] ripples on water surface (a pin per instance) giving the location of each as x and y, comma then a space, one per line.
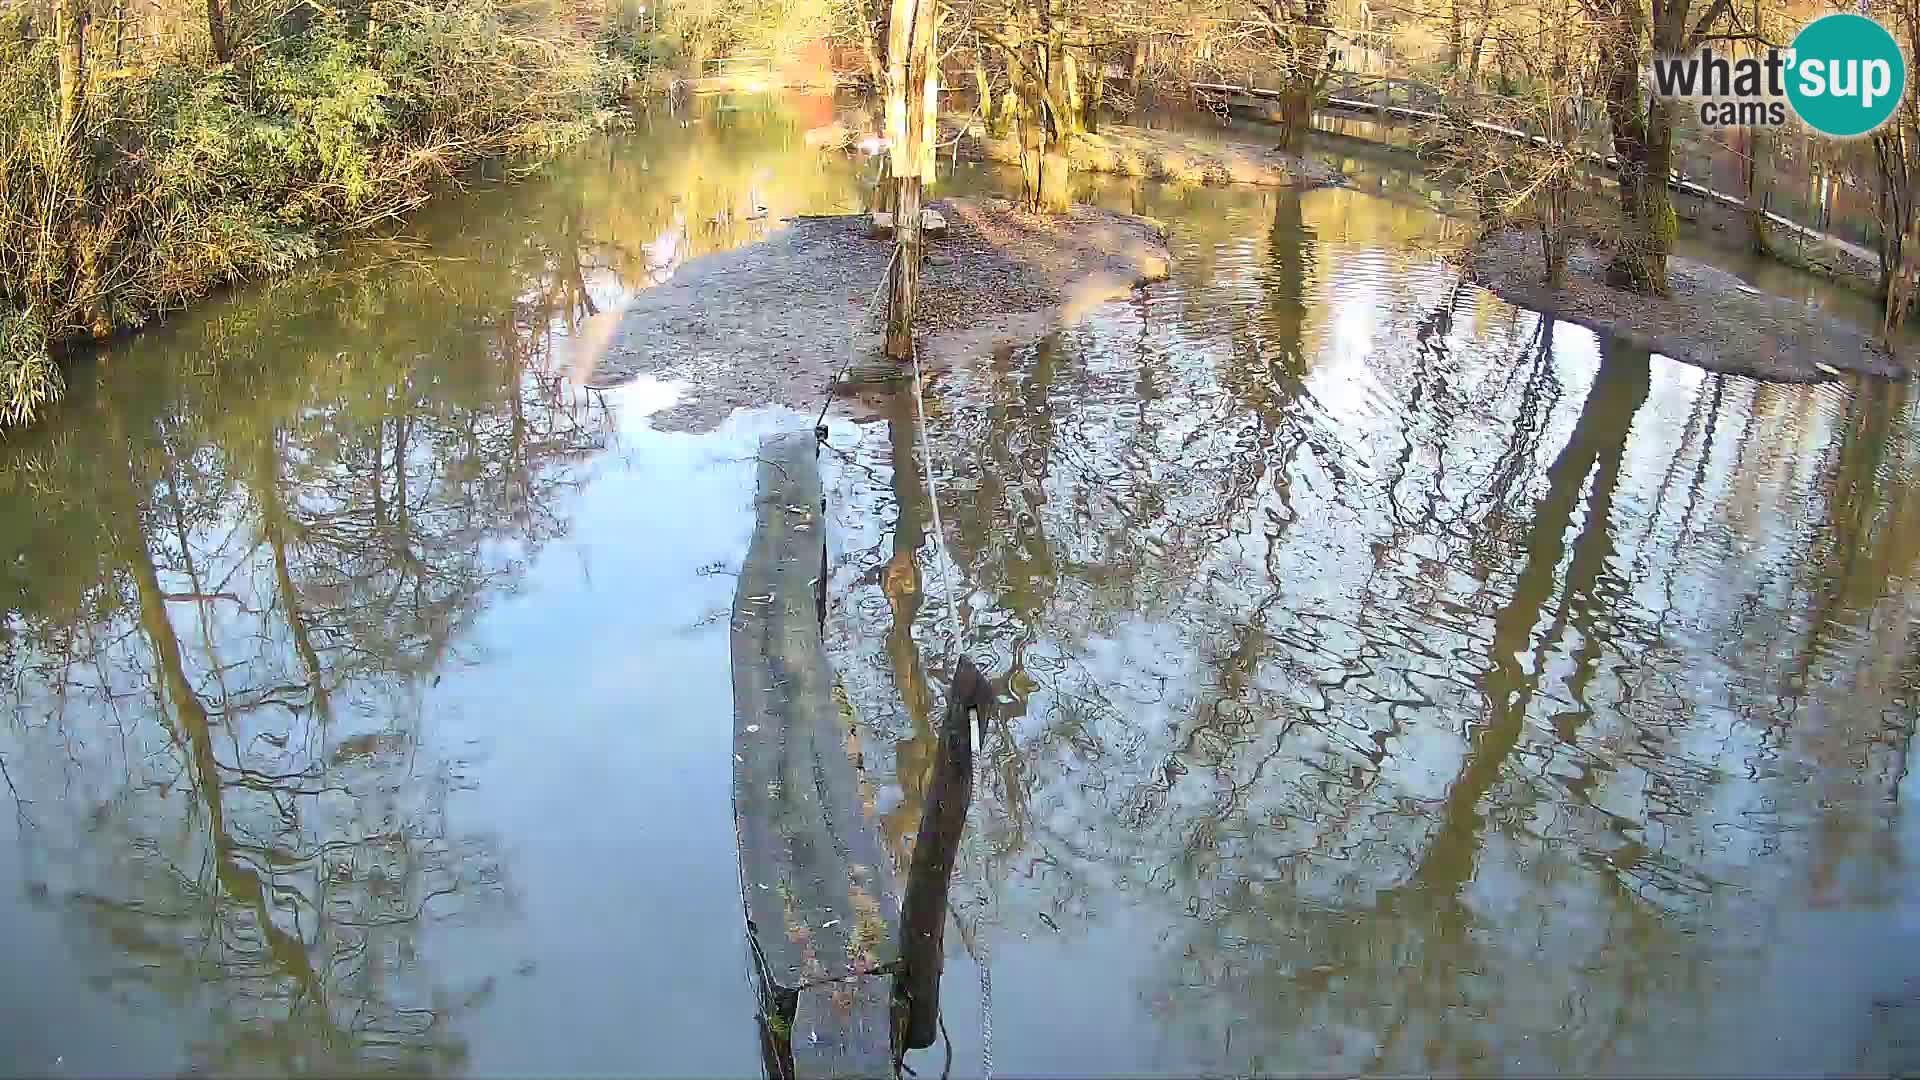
1397, 680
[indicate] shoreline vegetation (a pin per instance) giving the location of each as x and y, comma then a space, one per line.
1710, 319
135, 181
154, 152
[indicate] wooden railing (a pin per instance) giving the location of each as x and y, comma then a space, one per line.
1411, 101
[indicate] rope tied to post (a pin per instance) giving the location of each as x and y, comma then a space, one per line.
947, 812
946, 815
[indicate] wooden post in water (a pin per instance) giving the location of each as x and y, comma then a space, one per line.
816, 881
913, 83
923, 911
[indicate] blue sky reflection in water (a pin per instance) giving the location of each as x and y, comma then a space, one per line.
1399, 682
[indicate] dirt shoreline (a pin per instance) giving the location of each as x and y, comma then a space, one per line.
776, 322
1713, 319
1168, 156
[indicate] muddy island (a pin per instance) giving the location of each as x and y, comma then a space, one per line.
1712, 319
778, 321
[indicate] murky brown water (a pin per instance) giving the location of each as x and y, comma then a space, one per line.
1396, 681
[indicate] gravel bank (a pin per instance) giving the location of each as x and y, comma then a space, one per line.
775, 322
1713, 319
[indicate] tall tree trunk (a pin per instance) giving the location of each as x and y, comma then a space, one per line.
1897, 154
912, 93
77, 297
929, 86
869, 49
1097, 92
1759, 176
1553, 232
1306, 44
70, 37
1054, 192
1643, 141
1896, 148
217, 33
1008, 108
1556, 198
1076, 118
1759, 188
1030, 122
1455, 34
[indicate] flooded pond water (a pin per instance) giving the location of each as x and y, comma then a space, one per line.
1396, 680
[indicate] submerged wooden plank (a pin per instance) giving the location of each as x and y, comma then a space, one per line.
820, 899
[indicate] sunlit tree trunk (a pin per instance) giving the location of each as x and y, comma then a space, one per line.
1759, 187
1553, 233
78, 298
1300, 38
1895, 154
929, 87
1096, 91
1076, 117
1556, 198
1008, 109
70, 37
1759, 178
1313, 62
1455, 34
912, 103
1052, 193
1896, 148
1643, 143
217, 33
869, 38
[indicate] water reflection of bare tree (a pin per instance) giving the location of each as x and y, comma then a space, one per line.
222, 695
1353, 749
1324, 996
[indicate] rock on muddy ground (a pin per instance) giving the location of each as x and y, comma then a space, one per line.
775, 323
1172, 156
1713, 319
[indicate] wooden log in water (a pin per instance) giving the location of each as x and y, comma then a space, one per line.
818, 888
923, 912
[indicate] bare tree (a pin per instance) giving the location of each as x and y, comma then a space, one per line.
1642, 124
1517, 156
1896, 150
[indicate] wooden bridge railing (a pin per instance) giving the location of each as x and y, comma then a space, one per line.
1413, 101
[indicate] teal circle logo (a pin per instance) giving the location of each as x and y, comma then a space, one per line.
1846, 75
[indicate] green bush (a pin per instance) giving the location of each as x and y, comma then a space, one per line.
28, 377
185, 178
639, 48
